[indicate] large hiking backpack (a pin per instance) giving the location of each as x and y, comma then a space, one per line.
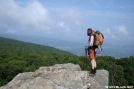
98, 38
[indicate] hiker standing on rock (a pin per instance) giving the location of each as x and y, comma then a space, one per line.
91, 50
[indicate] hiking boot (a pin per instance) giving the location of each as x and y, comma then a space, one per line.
94, 70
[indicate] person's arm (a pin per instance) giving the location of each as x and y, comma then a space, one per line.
91, 41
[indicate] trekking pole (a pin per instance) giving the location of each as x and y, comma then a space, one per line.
86, 55
84, 60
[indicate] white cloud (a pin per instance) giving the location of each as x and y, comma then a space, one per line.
110, 14
73, 16
95, 3
109, 33
11, 31
118, 34
33, 15
65, 27
122, 29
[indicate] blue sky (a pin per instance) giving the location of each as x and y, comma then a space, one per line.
69, 19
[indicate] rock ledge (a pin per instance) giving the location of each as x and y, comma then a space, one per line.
60, 76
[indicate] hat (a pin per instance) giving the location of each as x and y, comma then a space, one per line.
89, 31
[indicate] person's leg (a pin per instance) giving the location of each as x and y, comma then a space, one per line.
93, 62
95, 65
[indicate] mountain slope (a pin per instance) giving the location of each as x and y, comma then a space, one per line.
17, 57
10, 45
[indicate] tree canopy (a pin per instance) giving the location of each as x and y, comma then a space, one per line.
17, 57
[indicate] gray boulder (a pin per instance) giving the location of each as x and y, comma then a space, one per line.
60, 76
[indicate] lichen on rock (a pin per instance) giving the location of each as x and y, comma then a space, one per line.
59, 76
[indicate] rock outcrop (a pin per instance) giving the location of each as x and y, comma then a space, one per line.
60, 76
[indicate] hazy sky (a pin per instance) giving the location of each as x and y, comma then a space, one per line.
69, 19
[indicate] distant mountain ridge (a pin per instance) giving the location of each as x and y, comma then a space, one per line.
117, 51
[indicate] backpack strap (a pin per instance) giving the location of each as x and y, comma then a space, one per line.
102, 35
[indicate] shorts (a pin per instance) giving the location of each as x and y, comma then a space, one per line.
92, 54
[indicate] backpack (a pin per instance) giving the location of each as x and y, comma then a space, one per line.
98, 38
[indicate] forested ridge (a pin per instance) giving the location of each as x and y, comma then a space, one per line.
17, 57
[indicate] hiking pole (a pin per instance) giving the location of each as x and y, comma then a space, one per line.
84, 60
86, 55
